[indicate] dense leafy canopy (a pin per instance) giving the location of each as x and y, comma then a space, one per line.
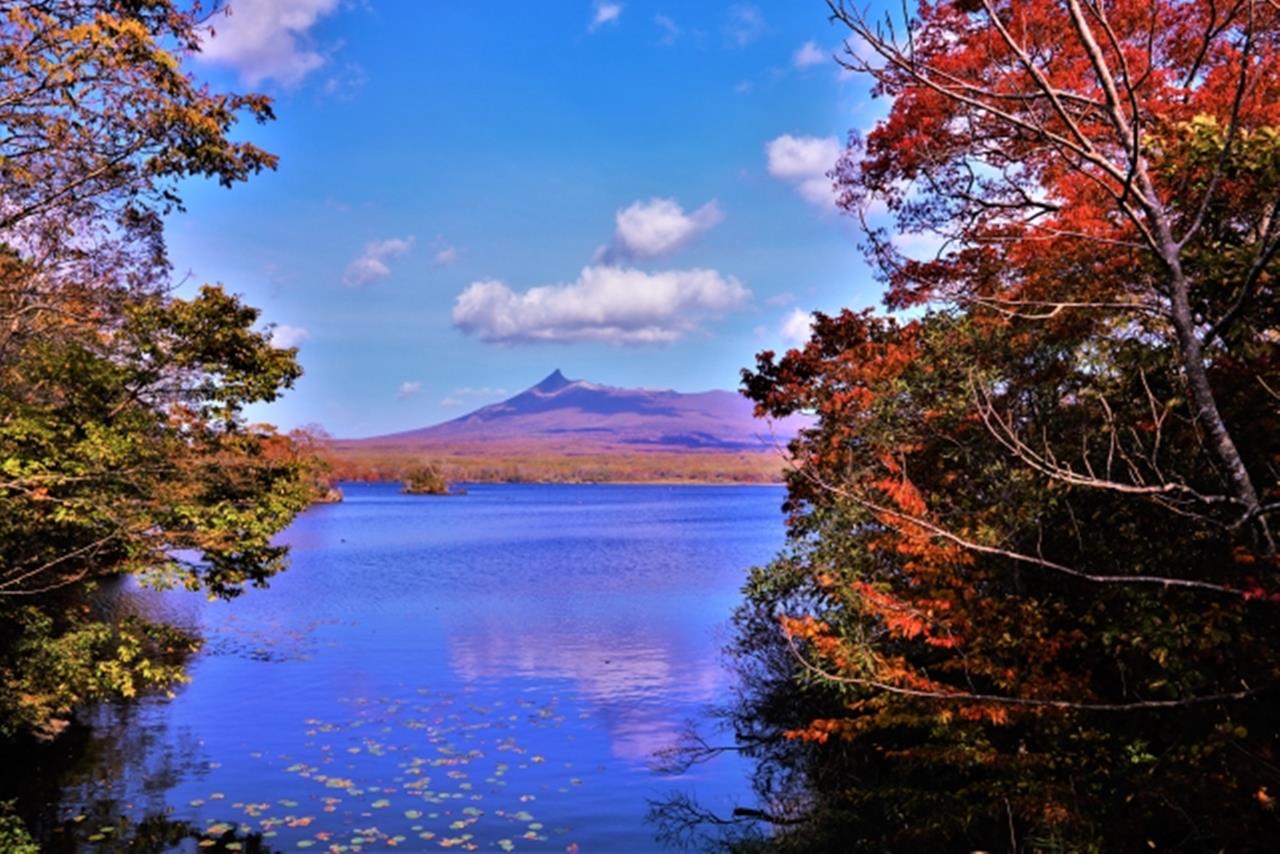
1031, 599
122, 444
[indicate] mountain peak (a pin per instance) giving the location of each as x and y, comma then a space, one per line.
553, 382
563, 412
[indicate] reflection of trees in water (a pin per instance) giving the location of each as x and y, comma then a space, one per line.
112, 771
793, 780
160, 833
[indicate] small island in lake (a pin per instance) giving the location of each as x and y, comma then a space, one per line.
427, 480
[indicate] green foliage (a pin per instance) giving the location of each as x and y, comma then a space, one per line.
52, 665
123, 448
126, 454
14, 838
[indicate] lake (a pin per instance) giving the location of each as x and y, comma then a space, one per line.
489, 672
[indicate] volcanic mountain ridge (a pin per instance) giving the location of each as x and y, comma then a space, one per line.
560, 410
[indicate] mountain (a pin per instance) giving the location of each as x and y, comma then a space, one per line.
579, 414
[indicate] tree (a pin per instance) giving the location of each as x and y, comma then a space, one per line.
123, 448
427, 479
1032, 586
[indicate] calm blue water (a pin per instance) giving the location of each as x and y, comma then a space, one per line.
489, 672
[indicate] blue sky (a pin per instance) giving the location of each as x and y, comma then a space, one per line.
470, 196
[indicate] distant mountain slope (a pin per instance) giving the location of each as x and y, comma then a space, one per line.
562, 409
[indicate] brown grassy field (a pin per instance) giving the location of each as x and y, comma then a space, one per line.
553, 462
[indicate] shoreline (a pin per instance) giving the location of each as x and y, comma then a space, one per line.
775, 483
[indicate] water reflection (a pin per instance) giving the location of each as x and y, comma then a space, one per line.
494, 671
629, 683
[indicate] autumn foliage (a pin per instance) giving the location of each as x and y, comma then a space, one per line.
123, 444
1031, 599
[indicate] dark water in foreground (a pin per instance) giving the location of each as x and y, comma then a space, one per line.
494, 671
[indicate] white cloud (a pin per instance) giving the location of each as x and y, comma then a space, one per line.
284, 336
919, 245
795, 157
803, 162
445, 256
670, 29
784, 298
408, 389
612, 304
372, 264
657, 227
807, 55
746, 24
606, 13
461, 396
797, 327
267, 39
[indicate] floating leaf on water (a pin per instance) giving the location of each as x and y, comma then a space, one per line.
234, 846
196, 802
412, 814
506, 845
206, 843
380, 803
306, 843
